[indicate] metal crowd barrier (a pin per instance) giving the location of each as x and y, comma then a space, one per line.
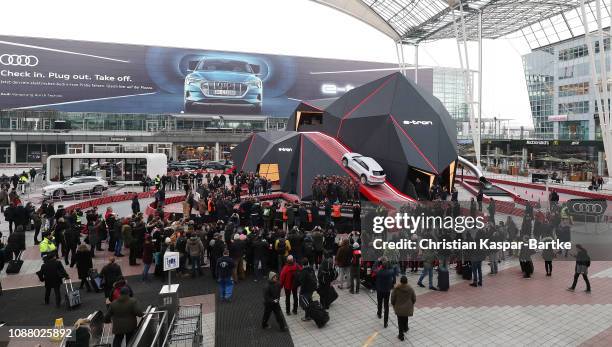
151, 329
186, 327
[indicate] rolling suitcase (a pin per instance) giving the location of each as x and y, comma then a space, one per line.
14, 266
72, 296
443, 282
318, 314
328, 295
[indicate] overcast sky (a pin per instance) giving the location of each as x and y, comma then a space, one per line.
294, 27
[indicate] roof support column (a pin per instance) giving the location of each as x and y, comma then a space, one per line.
416, 64
462, 49
399, 58
599, 84
479, 80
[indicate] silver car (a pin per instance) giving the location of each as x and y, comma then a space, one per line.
366, 168
76, 185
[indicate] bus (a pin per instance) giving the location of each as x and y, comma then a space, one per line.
113, 167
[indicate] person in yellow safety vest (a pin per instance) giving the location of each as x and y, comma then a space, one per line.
248, 230
79, 216
157, 181
23, 179
46, 246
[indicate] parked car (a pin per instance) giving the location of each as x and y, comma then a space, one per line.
76, 185
366, 168
183, 166
214, 165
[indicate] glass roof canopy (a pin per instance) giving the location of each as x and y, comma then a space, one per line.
540, 22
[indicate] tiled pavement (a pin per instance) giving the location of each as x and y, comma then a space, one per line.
507, 311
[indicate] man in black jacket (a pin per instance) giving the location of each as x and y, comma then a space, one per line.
225, 267
308, 284
260, 248
110, 274
20, 216
52, 272
9, 216
385, 279
271, 303
72, 237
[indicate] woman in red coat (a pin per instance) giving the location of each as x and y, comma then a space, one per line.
288, 280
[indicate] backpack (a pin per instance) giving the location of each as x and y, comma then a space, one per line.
282, 246
329, 274
312, 279
296, 278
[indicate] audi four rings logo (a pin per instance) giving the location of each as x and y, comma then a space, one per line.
18, 60
583, 207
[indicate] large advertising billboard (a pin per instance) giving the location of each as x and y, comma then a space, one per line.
82, 76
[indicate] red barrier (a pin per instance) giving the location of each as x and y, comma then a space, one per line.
590, 195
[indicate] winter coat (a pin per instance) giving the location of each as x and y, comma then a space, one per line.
53, 273
385, 279
83, 261
225, 266
287, 275
307, 280
343, 257
403, 299
123, 312
194, 247
272, 293
110, 273
126, 233
16, 241
147, 252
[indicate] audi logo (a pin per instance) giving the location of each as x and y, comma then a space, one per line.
18, 60
584, 207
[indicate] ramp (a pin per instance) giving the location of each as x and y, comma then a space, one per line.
384, 193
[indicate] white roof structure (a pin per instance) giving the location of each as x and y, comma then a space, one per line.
540, 22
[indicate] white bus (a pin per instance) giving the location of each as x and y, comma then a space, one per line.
113, 167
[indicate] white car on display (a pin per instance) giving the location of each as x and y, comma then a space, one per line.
366, 168
74, 185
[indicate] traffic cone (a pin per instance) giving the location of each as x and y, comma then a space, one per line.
59, 324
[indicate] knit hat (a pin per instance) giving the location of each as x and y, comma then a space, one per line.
271, 275
355, 245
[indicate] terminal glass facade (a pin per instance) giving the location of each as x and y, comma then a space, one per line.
449, 88
32, 121
558, 83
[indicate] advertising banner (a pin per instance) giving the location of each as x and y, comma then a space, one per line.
81, 76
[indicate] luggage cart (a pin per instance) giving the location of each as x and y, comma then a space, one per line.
186, 327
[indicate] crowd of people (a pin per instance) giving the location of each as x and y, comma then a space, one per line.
299, 247
343, 189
